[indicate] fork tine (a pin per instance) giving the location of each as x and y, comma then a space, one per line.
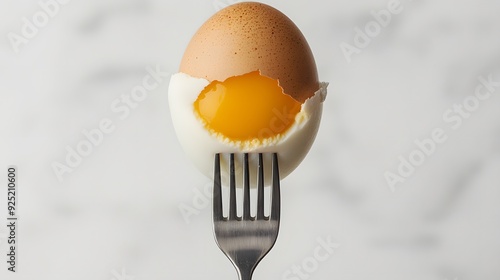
232, 190
275, 195
246, 188
217, 204
260, 190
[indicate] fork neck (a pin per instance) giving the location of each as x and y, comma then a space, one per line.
245, 270
245, 275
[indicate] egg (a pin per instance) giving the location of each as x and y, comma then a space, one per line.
247, 83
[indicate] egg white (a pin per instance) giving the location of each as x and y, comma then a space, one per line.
201, 145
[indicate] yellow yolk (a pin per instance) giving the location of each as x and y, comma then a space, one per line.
246, 107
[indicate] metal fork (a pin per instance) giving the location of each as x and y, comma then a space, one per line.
246, 240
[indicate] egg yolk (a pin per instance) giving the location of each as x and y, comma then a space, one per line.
246, 107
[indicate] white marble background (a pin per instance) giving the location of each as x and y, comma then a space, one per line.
117, 214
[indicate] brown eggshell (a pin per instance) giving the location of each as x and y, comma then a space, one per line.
251, 36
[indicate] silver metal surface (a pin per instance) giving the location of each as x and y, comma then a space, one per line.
246, 240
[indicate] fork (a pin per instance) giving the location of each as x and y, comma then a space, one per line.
246, 240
